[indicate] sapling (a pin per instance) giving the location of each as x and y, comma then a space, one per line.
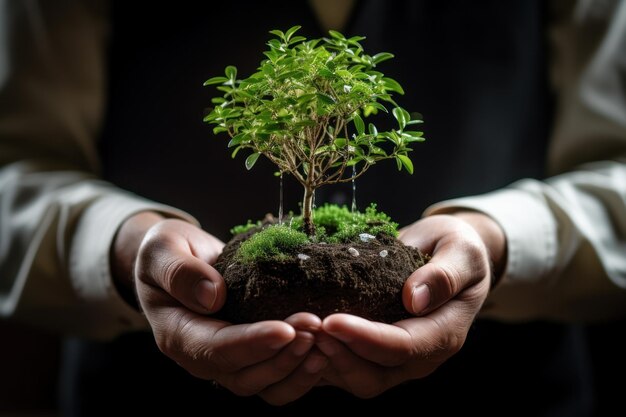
304, 110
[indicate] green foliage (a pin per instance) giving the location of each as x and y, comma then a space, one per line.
272, 243
334, 224
305, 106
337, 224
350, 225
243, 228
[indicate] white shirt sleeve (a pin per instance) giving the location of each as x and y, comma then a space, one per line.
57, 219
566, 236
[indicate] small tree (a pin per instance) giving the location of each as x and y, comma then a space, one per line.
304, 108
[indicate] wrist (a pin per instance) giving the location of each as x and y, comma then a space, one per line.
492, 236
124, 251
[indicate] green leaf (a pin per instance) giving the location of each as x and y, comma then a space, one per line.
235, 151
275, 44
383, 56
268, 69
358, 123
416, 118
406, 162
344, 73
336, 35
278, 33
372, 129
325, 99
215, 80
297, 39
340, 142
354, 161
231, 72
375, 150
291, 31
378, 106
356, 39
412, 136
402, 116
325, 72
392, 85
237, 139
251, 160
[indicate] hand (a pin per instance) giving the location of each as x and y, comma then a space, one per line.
177, 288
367, 358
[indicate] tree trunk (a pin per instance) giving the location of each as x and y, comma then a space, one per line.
307, 211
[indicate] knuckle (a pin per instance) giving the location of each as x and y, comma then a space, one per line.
448, 279
168, 334
220, 360
450, 340
172, 271
477, 256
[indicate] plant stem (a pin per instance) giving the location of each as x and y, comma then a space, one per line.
307, 208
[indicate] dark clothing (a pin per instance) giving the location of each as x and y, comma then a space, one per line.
477, 73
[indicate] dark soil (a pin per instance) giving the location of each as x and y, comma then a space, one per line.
331, 280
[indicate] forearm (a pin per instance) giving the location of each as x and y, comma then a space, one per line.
564, 245
58, 219
57, 229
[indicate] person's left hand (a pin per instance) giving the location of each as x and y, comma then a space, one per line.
367, 358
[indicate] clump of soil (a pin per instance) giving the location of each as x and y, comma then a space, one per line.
364, 279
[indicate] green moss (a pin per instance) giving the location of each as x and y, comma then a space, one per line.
243, 228
272, 243
333, 224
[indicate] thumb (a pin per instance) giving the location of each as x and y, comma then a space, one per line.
458, 262
191, 281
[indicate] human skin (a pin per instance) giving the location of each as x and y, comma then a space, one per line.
367, 358
169, 264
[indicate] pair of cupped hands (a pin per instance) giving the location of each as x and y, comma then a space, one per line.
178, 289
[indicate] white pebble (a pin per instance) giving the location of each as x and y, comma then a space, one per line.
353, 252
366, 237
303, 257
383, 253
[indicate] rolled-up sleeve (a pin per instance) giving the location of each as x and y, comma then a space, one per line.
566, 236
57, 218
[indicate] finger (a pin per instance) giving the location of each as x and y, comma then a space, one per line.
305, 321
253, 379
210, 348
191, 281
306, 376
383, 344
207, 248
351, 372
439, 335
457, 263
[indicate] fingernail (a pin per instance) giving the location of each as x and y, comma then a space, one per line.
315, 363
206, 293
420, 298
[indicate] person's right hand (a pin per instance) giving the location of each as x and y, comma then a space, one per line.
178, 288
